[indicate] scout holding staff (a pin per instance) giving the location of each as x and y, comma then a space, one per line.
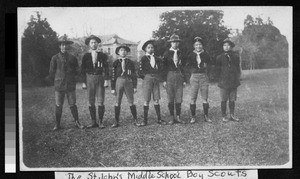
63, 69
228, 70
95, 73
198, 62
124, 79
174, 78
150, 71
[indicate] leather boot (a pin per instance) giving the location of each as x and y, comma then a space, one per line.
157, 110
145, 121
171, 109
74, 112
178, 112
93, 117
101, 110
134, 114
231, 108
205, 109
117, 115
193, 112
58, 113
223, 109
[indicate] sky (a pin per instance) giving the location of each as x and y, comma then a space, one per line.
137, 23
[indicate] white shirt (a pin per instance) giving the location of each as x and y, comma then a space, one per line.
152, 59
175, 56
198, 57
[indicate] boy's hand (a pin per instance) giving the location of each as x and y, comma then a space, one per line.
184, 84
113, 92
105, 83
83, 86
134, 90
164, 84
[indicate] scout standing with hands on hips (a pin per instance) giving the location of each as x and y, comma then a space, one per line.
95, 73
150, 71
198, 62
63, 69
228, 71
124, 79
174, 78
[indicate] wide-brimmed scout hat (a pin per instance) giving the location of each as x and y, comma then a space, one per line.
87, 40
122, 46
64, 39
174, 38
199, 39
227, 40
146, 43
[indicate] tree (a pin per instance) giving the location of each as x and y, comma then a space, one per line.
39, 44
262, 44
188, 24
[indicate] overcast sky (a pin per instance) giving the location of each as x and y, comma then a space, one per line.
137, 23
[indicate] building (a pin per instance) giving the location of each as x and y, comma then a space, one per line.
111, 42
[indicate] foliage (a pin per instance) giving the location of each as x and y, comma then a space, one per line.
261, 45
39, 44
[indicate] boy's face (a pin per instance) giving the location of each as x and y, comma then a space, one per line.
226, 47
63, 47
93, 44
122, 52
150, 48
198, 46
174, 45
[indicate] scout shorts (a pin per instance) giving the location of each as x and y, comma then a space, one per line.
199, 81
151, 87
124, 85
60, 97
175, 87
230, 94
95, 89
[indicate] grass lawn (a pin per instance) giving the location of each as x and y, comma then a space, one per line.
260, 137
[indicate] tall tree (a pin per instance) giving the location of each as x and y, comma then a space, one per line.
262, 44
38, 45
207, 24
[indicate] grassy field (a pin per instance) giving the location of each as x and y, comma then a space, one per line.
260, 138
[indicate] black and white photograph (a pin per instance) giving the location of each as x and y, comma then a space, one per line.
155, 88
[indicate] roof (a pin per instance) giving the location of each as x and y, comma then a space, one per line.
115, 39
106, 40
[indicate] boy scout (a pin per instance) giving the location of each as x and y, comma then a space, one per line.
63, 69
174, 78
124, 79
150, 71
95, 72
228, 70
198, 61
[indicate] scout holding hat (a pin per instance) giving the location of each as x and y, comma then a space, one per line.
198, 61
63, 69
95, 73
174, 78
123, 79
228, 70
150, 71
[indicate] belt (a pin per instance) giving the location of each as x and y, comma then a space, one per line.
152, 74
198, 72
176, 71
94, 73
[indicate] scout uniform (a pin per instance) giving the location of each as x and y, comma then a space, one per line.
150, 71
228, 70
197, 65
95, 71
63, 69
174, 76
124, 79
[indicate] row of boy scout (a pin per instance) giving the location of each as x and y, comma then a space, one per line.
171, 70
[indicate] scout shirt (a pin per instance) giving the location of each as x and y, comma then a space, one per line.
63, 69
129, 72
147, 68
228, 70
169, 65
99, 67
